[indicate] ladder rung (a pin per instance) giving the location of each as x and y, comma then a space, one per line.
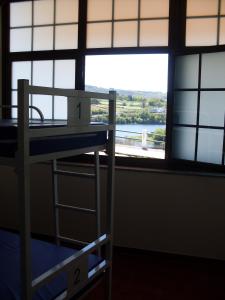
69, 173
78, 242
81, 209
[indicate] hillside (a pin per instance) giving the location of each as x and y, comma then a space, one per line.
156, 95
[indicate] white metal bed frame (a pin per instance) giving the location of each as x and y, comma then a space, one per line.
78, 122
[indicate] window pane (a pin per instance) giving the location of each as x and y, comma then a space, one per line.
65, 74
202, 7
99, 35
66, 11
125, 34
43, 38
21, 14
20, 70
126, 9
154, 33
186, 71
60, 108
184, 143
14, 102
43, 12
213, 70
212, 109
210, 145
222, 31
44, 103
99, 10
201, 32
20, 40
43, 73
66, 37
185, 108
222, 7
154, 8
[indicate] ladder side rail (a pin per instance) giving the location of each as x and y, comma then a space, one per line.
55, 200
110, 192
23, 170
97, 197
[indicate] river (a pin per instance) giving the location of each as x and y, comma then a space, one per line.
136, 128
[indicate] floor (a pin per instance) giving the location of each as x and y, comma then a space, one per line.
143, 276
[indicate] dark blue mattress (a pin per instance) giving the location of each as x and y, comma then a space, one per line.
44, 256
8, 139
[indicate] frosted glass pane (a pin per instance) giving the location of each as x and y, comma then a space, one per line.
222, 7
43, 38
44, 103
154, 8
43, 12
60, 108
20, 40
201, 32
43, 73
14, 102
213, 70
125, 34
66, 11
21, 14
222, 31
184, 143
154, 33
99, 10
20, 70
212, 109
186, 71
202, 7
66, 37
185, 108
99, 35
210, 145
65, 74
126, 9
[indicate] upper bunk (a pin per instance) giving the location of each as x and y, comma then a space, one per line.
42, 140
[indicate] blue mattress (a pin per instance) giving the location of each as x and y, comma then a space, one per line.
44, 256
8, 139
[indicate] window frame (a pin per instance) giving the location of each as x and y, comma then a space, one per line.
176, 46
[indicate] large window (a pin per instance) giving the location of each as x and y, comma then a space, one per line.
167, 65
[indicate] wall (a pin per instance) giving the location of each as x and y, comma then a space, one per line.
154, 211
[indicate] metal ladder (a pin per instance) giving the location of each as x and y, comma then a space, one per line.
57, 206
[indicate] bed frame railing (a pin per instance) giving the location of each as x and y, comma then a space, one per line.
76, 269
77, 103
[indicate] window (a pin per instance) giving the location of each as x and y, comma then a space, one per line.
51, 73
141, 85
205, 25
199, 108
127, 23
60, 43
43, 25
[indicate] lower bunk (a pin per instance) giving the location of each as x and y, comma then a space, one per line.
45, 256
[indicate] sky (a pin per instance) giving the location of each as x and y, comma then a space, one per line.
143, 72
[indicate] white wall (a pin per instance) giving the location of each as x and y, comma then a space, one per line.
154, 211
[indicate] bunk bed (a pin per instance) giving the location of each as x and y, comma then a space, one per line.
36, 269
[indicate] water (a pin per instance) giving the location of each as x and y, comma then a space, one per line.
138, 128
